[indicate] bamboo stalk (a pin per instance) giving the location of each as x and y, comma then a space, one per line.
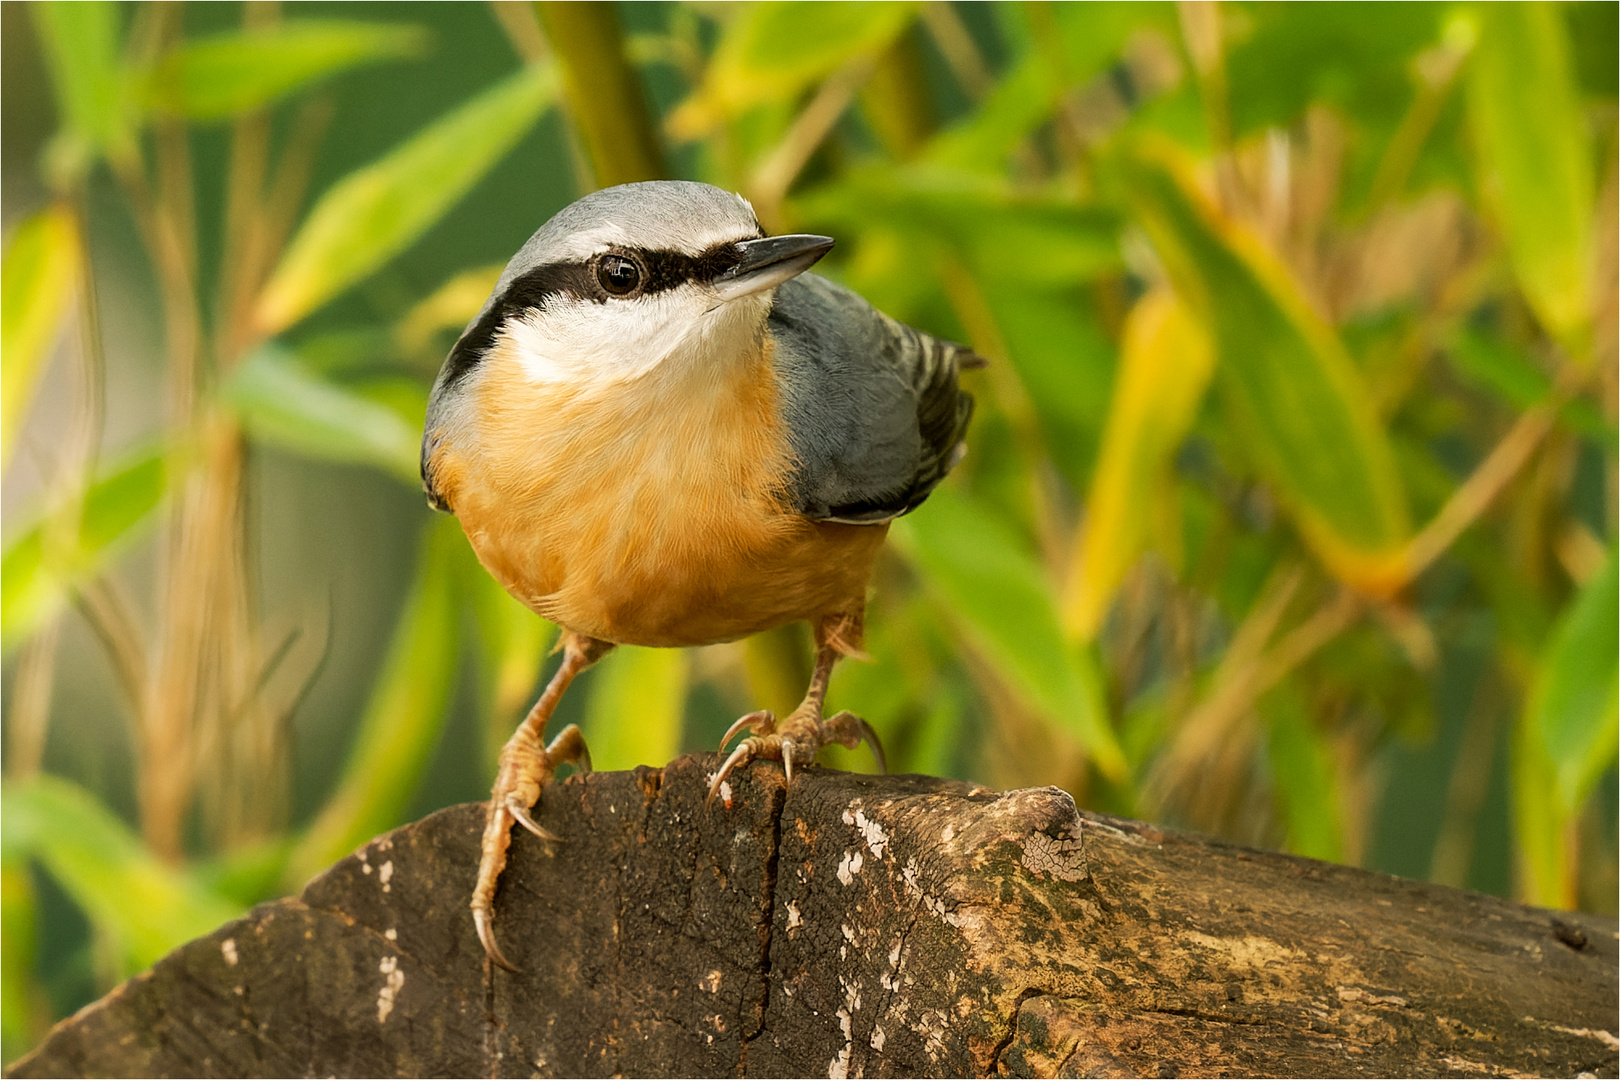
28, 719
895, 98
958, 48
604, 93
776, 174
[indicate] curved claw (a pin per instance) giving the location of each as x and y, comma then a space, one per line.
743, 723
787, 759
486, 938
516, 808
583, 761
740, 756
877, 746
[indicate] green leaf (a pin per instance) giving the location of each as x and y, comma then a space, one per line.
1087, 38
1593, 27
1534, 162
23, 1012
1575, 700
1508, 373
636, 704
1306, 780
377, 211
877, 688
227, 74
246, 875
1066, 363
1007, 236
280, 401
512, 648
1299, 55
37, 284
1292, 394
403, 718
1541, 845
995, 591
46, 561
146, 906
769, 52
81, 40
1164, 367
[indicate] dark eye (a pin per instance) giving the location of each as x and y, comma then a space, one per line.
618, 275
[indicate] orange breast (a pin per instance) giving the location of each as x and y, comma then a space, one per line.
646, 512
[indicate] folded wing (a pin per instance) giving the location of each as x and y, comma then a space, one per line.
872, 406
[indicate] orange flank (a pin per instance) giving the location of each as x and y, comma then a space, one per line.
646, 511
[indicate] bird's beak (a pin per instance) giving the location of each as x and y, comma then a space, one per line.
768, 262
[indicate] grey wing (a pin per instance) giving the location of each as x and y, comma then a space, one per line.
872, 407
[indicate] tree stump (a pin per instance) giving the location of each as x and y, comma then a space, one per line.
858, 926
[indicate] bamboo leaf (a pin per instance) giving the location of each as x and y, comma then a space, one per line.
226, 74
1290, 389
82, 46
143, 904
1508, 373
633, 716
1575, 700
281, 401
997, 594
1088, 37
37, 283
377, 211
1534, 163
46, 561
770, 52
512, 648
403, 717
1540, 841
1007, 235
1164, 367
23, 1016
1302, 769
1066, 361
449, 307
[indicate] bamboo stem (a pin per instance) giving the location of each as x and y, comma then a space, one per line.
603, 91
775, 176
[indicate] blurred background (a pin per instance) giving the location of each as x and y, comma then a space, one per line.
1289, 516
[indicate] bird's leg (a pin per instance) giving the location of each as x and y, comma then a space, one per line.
799, 737
526, 765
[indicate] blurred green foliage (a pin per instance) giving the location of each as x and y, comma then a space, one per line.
1290, 508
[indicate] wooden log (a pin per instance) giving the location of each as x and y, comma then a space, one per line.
858, 926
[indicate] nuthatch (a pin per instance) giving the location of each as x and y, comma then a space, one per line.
661, 431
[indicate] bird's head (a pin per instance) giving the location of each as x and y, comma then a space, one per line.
629, 277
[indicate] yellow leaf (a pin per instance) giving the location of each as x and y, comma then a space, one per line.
769, 52
1536, 168
37, 283
1292, 394
1163, 370
449, 307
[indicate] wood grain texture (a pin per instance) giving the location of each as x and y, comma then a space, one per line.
859, 926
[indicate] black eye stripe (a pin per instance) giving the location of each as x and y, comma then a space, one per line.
664, 269
671, 269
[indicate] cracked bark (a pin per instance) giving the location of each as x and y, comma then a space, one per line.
859, 926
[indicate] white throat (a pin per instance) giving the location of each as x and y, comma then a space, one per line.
677, 332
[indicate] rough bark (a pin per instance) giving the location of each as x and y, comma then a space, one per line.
854, 925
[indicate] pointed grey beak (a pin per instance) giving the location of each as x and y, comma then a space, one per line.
768, 262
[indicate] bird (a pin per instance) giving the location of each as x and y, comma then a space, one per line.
661, 430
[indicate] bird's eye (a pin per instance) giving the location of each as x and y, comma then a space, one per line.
618, 275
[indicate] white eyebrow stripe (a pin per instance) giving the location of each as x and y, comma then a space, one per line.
689, 238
